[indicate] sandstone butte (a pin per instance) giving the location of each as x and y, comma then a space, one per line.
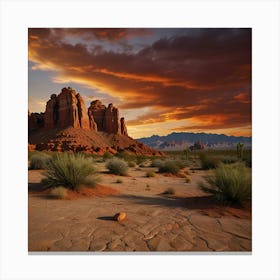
67, 125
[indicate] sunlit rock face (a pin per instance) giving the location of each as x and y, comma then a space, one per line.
67, 109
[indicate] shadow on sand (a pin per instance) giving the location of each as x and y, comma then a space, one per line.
196, 202
106, 218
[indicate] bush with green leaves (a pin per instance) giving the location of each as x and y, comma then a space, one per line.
70, 171
230, 184
131, 164
208, 162
171, 166
59, 192
117, 166
39, 160
157, 162
150, 174
107, 156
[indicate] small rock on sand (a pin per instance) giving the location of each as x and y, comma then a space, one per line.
120, 216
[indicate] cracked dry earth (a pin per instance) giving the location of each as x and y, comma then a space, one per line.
186, 221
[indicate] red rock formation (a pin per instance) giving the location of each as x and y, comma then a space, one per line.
66, 109
51, 113
35, 120
96, 113
82, 112
123, 127
112, 120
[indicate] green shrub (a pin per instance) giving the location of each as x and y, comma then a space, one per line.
229, 183
141, 159
228, 159
169, 191
70, 171
157, 163
125, 156
119, 181
107, 156
208, 162
59, 192
150, 174
39, 160
131, 164
247, 160
170, 166
117, 166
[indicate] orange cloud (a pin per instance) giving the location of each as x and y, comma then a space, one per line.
203, 77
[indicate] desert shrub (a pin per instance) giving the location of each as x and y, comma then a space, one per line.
119, 181
169, 191
92, 180
141, 159
208, 162
131, 164
59, 192
247, 160
228, 159
148, 187
188, 180
150, 174
125, 156
117, 166
156, 163
70, 171
142, 165
107, 156
229, 183
39, 160
170, 166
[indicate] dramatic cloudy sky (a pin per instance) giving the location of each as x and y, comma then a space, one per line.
162, 80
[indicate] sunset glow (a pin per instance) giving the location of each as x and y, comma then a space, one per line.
162, 80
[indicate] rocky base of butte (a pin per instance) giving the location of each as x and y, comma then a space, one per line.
67, 125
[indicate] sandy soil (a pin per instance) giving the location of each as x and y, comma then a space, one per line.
189, 220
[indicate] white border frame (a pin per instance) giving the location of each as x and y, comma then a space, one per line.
262, 16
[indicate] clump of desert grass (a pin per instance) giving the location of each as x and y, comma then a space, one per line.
211, 160
71, 171
171, 166
131, 164
150, 174
157, 163
117, 166
169, 191
59, 192
39, 160
229, 184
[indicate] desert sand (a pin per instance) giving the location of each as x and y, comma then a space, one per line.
187, 221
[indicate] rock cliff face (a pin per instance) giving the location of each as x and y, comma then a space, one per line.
35, 120
67, 125
68, 110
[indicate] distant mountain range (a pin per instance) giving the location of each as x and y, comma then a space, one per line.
179, 141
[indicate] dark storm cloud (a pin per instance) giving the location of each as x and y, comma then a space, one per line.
203, 73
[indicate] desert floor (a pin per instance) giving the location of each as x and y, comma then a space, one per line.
189, 220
